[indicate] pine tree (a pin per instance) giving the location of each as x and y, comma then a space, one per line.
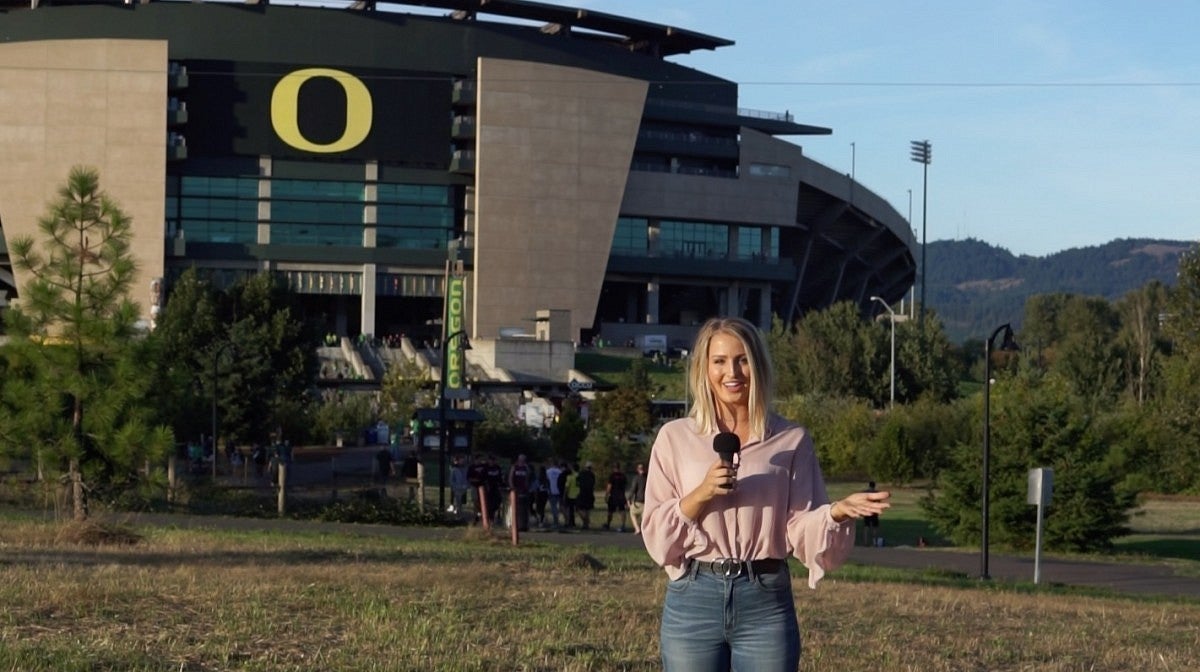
76, 390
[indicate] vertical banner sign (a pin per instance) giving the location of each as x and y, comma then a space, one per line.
456, 287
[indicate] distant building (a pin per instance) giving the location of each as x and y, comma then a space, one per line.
554, 151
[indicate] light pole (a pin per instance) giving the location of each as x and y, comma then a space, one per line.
443, 424
1006, 344
216, 359
892, 319
922, 153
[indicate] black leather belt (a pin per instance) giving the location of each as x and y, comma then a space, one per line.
732, 568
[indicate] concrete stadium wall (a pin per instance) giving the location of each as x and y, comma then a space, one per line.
96, 103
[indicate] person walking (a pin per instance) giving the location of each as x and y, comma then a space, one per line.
520, 476
637, 497
871, 524
494, 484
540, 495
585, 501
614, 497
477, 481
459, 486
732, 491
570, 488
552, 482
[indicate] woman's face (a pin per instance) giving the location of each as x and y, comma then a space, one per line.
728, 370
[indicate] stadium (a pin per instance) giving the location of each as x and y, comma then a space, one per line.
577, 183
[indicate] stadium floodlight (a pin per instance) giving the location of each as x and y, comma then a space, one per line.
922, 152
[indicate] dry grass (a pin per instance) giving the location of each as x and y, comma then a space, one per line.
207, 600
1167, 515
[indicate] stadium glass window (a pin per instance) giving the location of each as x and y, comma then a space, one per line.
758, 243
749, 242
213, 209
693, 239
317, 212
631, 237
413, 216
769, 170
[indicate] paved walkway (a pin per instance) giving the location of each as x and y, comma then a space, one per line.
1139, 579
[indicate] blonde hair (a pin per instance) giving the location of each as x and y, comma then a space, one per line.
704, 410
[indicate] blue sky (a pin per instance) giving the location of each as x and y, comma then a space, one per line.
1054, 124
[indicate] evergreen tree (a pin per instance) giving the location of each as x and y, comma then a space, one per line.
248, 347
76, 386
1181, 370
1037, 421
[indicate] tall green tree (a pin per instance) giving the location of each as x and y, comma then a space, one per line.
781, 342
625, 411
1089, 357
187, 327
247, 347
928, 366
568, 434
1142, 338
1181, 370
76, 386
834, 352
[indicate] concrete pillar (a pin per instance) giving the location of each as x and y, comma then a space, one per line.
652, 302
368, 299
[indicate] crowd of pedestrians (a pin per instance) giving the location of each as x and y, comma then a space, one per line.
556, 495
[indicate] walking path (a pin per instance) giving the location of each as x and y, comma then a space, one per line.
1121, 577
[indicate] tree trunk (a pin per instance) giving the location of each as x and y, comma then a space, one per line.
77, 496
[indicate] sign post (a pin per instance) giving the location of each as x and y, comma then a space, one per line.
1041, 485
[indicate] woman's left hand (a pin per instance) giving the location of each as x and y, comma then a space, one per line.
858, 505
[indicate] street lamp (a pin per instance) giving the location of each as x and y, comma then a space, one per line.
892, 318
922, 153
443, 425
1006, 344
216, 359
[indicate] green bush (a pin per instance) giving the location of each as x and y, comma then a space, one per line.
841, 428
372, 507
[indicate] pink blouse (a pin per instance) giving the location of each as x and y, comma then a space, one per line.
779, 508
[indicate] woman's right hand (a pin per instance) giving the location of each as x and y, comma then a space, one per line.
720, 480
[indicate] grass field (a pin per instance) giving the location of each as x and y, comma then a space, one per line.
205, 600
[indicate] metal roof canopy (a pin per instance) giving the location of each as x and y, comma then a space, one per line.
632, 34
669, 40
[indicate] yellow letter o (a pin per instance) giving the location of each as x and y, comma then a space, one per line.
285, 110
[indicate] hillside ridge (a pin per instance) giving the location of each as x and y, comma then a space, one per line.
974, 286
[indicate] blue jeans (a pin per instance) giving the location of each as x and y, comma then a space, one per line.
555, 500
715, 624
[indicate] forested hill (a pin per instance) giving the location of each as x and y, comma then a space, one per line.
975, 287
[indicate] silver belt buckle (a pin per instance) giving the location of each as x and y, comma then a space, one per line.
730, 568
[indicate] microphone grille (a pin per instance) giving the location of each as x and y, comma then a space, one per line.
727, 443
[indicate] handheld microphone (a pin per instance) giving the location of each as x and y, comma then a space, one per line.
727, 444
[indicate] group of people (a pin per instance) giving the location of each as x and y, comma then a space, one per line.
556, 495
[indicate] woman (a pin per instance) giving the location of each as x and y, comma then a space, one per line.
723, 530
